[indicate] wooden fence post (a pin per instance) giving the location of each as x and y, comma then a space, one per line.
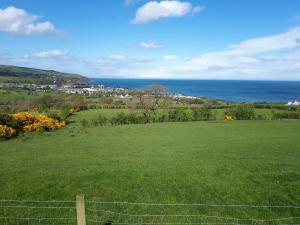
80, 209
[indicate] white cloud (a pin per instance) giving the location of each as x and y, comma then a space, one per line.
19, 22
154, 10
285, 40
198, 9
116, 57
275, 57
118, 66
170, 57
52, 54
272, 57
150, 45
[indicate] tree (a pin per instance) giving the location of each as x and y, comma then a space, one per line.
157, 90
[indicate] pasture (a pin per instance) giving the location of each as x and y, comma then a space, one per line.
239, 162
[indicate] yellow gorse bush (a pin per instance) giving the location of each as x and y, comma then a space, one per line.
228, 118
37, 122
24, 117
7, 132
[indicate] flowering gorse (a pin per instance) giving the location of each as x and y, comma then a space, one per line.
7, 132
43, 123
228, 118
24, 117
30, 122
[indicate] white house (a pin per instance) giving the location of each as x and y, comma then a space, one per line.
295, 103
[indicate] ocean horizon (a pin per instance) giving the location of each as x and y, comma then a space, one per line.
229, 90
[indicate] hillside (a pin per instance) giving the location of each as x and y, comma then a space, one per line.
236, 162
15, 74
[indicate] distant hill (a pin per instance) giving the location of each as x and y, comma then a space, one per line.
15, 74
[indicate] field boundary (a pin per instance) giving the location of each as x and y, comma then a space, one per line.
87, 212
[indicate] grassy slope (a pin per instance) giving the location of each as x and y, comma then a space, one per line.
255, 162
24, 74
12, 95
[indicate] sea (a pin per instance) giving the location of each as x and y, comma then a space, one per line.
229, 90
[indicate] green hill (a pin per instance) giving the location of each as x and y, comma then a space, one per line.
15, 74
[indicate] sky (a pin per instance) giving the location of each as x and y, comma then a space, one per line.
168, 39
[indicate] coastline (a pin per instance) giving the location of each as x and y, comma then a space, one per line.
226, 90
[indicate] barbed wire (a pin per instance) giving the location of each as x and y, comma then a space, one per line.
192, 215
36, 201
37, 212
32, 212
145, 213
36, 207
195, 204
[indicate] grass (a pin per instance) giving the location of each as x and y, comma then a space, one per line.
240, 162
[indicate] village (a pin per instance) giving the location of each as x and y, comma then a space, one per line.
89, 90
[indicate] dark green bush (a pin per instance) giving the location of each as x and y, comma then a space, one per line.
201, 114
285, 115
84, 123
178, 115
102, 120
242, 112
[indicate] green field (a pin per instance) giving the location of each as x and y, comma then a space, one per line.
239, 162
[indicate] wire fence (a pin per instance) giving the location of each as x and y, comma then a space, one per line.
30, 212
100, 212
93, 212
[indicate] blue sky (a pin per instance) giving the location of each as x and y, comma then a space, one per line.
176, 39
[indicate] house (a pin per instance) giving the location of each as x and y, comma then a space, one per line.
295, 103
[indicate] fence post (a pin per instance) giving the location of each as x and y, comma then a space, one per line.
80, 209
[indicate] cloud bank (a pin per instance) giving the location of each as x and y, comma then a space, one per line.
259, 58
274, 57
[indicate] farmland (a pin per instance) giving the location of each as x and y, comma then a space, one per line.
232, 162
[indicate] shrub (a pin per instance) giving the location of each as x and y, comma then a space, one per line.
285, 115
242, 112
7, 132
261, 117
24, 118
55, 114
102, 120
178, 115
84, 122
121, 118
163, 118
65, 110
6, 119
43, 123
200, 114
228, 118
133, 118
